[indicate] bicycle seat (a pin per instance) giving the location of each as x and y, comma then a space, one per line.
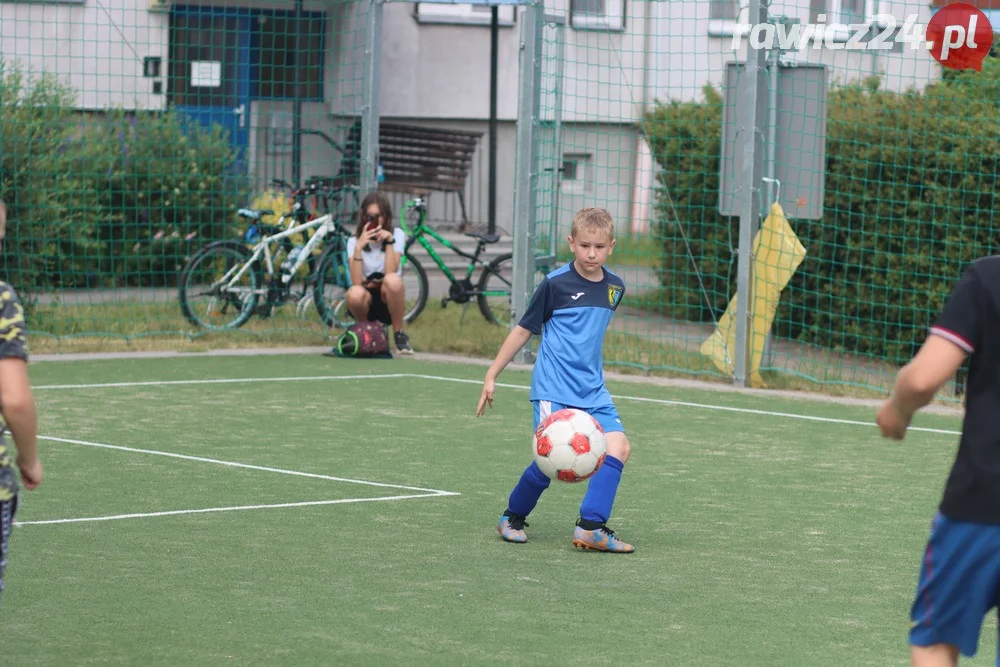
253, 213
485, 238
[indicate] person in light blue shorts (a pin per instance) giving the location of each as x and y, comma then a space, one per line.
606, 415
574, 305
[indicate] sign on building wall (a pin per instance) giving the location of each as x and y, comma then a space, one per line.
206, 74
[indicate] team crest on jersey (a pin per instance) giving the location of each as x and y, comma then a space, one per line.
615, 295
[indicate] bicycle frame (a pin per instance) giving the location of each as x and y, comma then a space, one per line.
325, 224
418, 234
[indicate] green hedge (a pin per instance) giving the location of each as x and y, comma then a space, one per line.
911, 190
105, 199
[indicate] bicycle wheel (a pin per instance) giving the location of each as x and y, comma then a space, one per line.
333, 279
415, 288
495, 289
332, 284
206, 297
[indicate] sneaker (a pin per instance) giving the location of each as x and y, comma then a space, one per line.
601, 539
511, 528
403, 343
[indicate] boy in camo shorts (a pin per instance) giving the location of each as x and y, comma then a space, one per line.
17, 405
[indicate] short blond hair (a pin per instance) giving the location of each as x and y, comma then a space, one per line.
597, 219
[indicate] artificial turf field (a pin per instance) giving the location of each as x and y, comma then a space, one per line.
303, 510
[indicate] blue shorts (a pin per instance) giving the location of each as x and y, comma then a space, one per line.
606, 415
959, 584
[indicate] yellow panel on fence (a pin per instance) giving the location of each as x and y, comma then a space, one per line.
777, 255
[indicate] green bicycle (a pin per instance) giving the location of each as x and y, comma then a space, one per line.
493, 289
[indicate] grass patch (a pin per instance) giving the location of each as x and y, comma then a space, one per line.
802, 535
146, 326
137, 326
460, 330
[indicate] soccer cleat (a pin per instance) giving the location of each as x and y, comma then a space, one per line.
601, 539
403, 343
511, 528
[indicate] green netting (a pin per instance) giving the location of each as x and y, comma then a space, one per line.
905, 150
130, 137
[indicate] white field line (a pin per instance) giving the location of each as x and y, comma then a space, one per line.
249, 466
441, 378
706, 406
167, 383
424, 493
309, 503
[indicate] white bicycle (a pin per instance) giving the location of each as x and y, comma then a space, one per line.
226, 282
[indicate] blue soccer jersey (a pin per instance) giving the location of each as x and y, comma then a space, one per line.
575, 313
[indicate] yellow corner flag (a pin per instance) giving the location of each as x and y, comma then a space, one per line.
777, 255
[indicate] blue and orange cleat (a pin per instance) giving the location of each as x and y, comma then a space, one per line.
600, 539
511, 528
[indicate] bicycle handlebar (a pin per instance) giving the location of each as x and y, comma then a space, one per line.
417, 204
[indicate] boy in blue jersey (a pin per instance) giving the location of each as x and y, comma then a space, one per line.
960, 569
574, 304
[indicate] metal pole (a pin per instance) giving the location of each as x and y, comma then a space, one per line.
526, 164
772, 113
492, 184
774, 71
751, 105
370, 94
297, 104
557, 92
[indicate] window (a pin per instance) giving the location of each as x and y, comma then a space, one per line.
846, 12
576, 176
876, 30
284, 52
204, 62
840, 12
597, 14
723, 15
723, 10
462, 14
209, 64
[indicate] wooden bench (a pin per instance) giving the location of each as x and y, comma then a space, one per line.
415, 160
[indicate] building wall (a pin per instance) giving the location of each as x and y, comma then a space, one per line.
443, 71
438, 74
690, 52
78, 43
609, 180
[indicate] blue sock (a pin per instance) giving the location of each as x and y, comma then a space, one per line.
529, 489
601, 490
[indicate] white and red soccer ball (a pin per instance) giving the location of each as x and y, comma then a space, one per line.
569, 445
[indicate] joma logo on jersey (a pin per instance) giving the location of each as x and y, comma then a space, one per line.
615, 295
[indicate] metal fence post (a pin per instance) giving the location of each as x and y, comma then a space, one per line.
752, 111
526, 163
370, 93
